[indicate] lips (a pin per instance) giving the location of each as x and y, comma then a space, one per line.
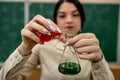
69, 27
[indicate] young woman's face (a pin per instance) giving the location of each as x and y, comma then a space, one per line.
68, 18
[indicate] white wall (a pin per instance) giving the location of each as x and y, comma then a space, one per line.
84, 1
118, 45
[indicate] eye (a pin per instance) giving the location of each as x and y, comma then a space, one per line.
76, 14
61, 16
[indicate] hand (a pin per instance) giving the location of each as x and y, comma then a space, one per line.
87, 46
29, 32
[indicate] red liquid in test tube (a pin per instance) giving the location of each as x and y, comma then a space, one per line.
46, 37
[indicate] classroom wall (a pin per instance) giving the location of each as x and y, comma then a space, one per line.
86, 1
25, 12
16, 14
90, 1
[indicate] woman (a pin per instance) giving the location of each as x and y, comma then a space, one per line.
69, 17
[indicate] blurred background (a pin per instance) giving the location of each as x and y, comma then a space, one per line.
102, 18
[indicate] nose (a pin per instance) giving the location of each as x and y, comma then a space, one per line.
69, 18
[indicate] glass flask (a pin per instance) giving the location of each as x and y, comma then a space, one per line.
69, 63
46, 37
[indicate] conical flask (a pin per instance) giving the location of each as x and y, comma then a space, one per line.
69, 63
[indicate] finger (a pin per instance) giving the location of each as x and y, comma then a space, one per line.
80, 37
54, 27
30, 35
86, 42
87, 56
87, 49
43, 21
35, 27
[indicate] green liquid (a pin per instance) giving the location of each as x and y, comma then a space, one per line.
69, 68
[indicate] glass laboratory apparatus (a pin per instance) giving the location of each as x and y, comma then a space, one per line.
69, 63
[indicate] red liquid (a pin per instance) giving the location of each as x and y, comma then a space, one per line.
45, 37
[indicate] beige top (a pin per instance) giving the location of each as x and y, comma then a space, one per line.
48, 56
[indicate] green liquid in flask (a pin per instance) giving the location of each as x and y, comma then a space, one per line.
69, 68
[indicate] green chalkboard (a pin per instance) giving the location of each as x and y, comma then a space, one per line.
11, 22
101, 19
44, 9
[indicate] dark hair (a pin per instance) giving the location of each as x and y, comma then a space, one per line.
78, 6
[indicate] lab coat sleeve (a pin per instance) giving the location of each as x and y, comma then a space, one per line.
12, 65
30, 65
101, 71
